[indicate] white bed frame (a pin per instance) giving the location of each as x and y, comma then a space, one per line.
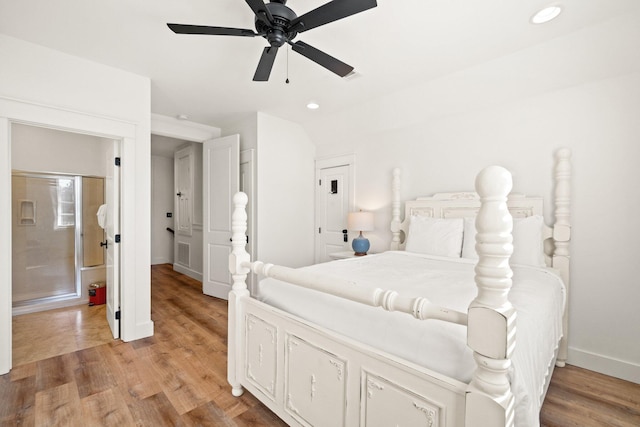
311, 376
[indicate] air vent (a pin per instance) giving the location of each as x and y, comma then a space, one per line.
183, 254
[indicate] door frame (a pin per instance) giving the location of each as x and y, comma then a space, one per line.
23, 112
332, 162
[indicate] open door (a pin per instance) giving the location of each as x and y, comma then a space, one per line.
220, 172
112, 235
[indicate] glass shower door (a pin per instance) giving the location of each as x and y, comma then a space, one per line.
44, 237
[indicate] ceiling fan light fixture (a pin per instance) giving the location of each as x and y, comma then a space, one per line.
313, 105
546, 14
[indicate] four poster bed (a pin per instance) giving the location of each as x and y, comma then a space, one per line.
421, 335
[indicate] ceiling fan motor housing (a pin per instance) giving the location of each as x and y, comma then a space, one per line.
282, 16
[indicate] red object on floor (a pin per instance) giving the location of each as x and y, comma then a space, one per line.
97, 293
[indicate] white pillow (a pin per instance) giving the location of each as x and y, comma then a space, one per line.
469, 239
435, 236
527, 241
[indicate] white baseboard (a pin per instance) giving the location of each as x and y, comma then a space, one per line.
187, 271
156, 261
604, 364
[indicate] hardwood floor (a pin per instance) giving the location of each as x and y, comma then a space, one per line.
178, 377
578, 397
45, 334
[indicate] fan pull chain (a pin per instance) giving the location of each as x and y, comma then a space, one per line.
287, 81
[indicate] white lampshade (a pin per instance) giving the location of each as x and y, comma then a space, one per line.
360, 221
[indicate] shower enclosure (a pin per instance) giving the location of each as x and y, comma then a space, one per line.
55, 239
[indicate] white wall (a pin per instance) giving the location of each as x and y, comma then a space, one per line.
285, 192
56, 151
580, 92
162, 200
284, 187
41, 85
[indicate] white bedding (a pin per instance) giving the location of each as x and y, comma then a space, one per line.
537, 294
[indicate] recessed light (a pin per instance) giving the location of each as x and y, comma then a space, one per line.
313, 106
546, 14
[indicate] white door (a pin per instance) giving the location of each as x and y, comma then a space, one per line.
183, 170
112, 233
220, 173
332, 197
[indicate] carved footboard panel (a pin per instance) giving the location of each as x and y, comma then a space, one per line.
314, 377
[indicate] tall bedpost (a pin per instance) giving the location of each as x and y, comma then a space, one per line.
491, 317
562, 237
395, 210
239, 290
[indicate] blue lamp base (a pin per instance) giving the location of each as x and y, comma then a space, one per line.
360, 245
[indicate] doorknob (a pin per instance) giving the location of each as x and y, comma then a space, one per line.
179, 193
105, 244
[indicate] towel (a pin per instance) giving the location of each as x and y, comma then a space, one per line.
102, 216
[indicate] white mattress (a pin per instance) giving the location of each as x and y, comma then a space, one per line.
537, 294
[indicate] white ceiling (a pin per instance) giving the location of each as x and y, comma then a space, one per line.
209, 78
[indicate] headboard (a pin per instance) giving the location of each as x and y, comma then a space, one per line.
465, 205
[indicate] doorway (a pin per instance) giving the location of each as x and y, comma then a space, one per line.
13, 118
56, 237
176, 200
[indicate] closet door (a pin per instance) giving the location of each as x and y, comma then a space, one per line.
184, 171
221, 164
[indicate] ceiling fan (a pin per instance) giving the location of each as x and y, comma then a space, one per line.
279, 25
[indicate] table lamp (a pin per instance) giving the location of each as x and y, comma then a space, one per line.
360, 221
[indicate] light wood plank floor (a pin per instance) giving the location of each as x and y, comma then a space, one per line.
178, 377
45, 334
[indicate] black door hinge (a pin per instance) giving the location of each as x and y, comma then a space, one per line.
117, 161
118, 315
117, 238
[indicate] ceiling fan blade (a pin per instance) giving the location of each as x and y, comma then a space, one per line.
266, 64
260, 9
327, 61
213, 31
329, 12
